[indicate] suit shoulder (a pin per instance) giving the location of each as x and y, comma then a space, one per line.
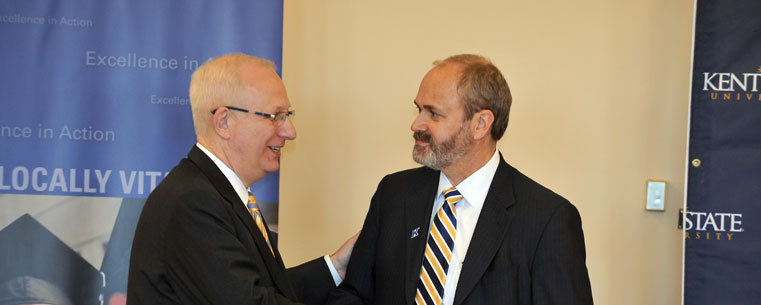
179, 177
527, 188
185, 183
407, 176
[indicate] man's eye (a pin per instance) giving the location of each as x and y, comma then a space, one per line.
434, 114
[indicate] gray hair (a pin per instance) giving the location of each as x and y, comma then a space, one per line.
482, 86
219, 82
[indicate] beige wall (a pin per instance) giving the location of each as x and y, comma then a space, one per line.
600, 93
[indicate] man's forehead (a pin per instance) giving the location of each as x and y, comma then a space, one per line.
255, 74
267, 90
270, 101
448, 71
280, 104
439, 84
443, 78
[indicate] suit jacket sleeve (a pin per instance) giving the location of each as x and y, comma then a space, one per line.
206, 260
358, 287
559, 272
312, 281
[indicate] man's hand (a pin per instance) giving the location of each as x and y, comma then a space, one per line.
341, 257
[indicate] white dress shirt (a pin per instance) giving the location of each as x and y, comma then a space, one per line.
242, 191
240, 188
474, 190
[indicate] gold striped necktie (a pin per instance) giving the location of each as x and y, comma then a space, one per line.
253, 207
438, 251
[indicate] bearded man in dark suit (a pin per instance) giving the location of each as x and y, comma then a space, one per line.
467, 228
201, 238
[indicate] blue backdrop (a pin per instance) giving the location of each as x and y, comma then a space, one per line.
95, 93
723, 218
95, 103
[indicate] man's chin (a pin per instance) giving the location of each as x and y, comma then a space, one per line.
271, 167
418, 156
425, 160
420, 151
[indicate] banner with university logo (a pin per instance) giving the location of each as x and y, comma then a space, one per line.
95, 113
723, 219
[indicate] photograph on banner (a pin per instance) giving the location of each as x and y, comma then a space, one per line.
50, 238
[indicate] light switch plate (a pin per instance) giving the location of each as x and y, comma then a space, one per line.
656, 195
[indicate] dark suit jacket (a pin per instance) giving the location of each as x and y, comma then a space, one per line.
527, 247
196, 243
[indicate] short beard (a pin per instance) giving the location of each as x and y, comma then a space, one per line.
442, 155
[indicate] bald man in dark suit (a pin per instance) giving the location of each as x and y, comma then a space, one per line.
201, 238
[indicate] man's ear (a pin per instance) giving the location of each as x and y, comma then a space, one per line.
222, 122
482, 122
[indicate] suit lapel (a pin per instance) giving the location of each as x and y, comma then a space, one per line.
274, 265
489, 232
277, 271
418, 209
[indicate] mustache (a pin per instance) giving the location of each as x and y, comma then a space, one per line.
422, 136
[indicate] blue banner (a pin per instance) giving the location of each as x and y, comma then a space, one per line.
95, 93
95, 104
722, 222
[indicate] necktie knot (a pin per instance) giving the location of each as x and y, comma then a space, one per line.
452, 195
252, 205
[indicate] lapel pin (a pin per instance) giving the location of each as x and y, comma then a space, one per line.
414, 232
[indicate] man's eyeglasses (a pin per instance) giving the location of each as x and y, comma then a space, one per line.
277, 117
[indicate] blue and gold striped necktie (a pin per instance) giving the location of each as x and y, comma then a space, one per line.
253, 207
438, 251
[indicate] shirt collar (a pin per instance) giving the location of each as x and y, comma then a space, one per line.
234, 180
476, 186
